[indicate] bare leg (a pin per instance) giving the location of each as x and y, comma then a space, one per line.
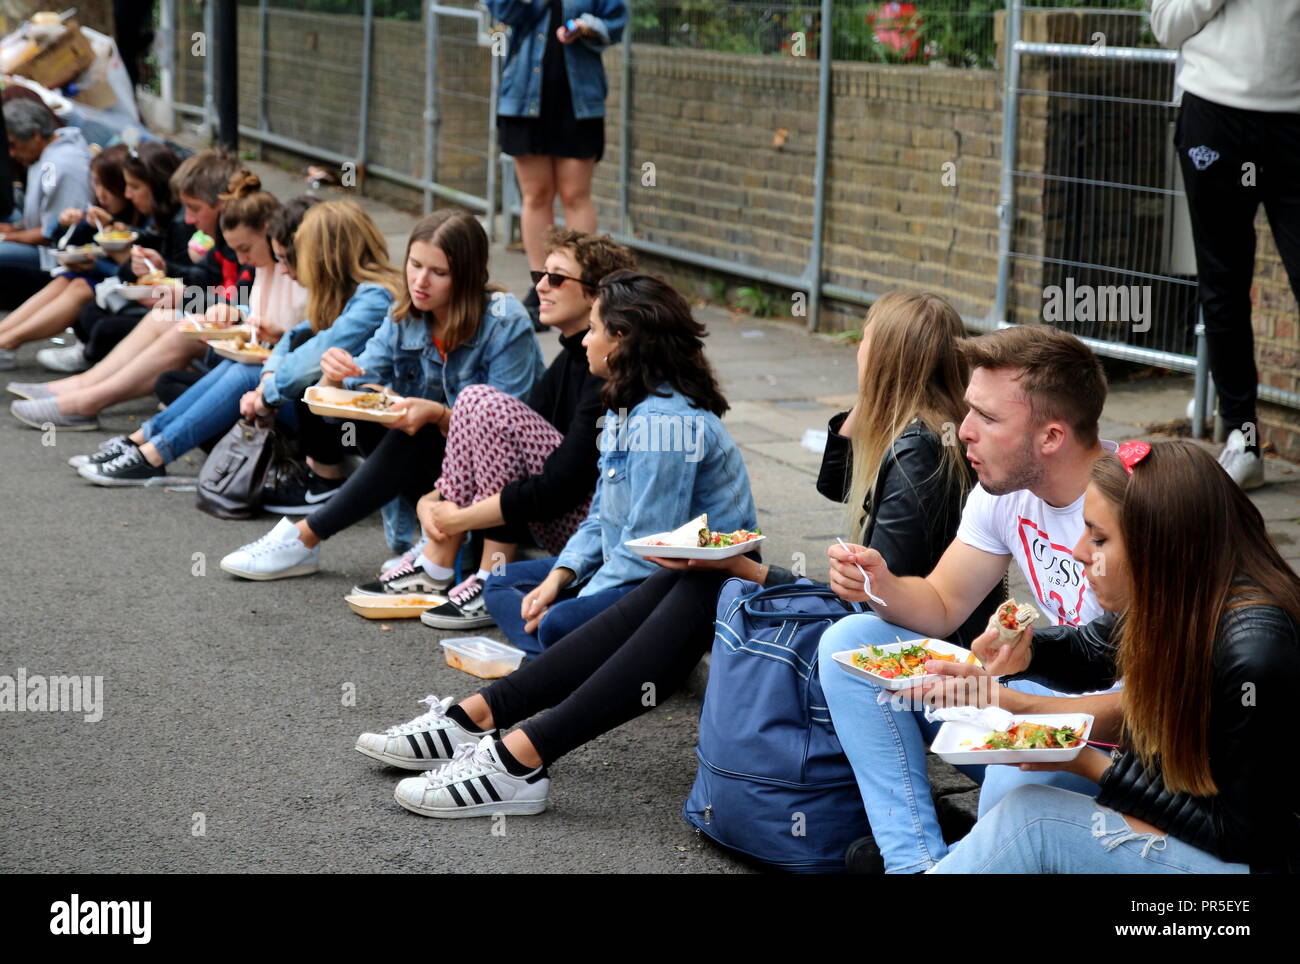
536, 176
305, 535
50, 319
323, 470
28, 308
497, 554
477, 709
151, 326
135, 378
521, 748
573, 183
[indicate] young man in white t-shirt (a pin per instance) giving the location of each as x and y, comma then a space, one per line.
1035, 397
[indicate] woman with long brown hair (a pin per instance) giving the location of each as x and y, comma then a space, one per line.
447, 329
1202, 626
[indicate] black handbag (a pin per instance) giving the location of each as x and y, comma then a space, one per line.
230, 483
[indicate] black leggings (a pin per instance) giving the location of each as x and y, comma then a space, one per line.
616, 666
101, 330
396, 464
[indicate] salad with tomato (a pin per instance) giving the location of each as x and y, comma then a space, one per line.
903, 664
1033, 736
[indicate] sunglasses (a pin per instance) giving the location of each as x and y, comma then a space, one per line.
554, 279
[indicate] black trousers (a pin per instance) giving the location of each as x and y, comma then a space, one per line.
19, 284
101, 330
1232, 162
618, 665
396, 464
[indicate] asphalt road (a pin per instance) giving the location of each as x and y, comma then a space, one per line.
224, 705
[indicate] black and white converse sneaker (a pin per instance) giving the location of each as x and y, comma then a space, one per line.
128, 468
474, 784
425, 741
405, 578
463, 610
299, 494
108, 449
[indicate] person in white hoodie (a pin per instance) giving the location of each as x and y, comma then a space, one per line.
1238, 142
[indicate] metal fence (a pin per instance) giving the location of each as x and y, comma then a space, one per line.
1098, 204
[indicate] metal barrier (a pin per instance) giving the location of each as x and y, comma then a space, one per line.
1108, 214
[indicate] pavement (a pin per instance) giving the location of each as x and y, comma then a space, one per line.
230, 708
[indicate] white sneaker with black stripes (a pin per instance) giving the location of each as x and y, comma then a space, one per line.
428, 740
474, 784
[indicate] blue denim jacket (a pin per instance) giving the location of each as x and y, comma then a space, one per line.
661, 464
529, 20
503, 353
299, 368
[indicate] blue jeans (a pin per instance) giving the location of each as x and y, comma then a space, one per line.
886, 747
1047, 830
504, 594
207, 408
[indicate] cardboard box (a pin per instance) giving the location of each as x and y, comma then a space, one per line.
60, 60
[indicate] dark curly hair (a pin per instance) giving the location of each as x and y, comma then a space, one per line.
659, 342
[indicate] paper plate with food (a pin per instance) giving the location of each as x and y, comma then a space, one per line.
394, 607
77, 253
148, 285
900, 665
1034, 738
201, 332
371, 406
695, 540
118, 240
240, 349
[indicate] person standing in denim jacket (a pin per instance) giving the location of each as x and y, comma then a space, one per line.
665, 458
551, 109
447, 330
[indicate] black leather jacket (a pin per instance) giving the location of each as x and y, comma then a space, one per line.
913, 508
1253, 818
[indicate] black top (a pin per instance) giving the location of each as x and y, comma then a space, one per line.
914, 507
567, 396
1256, 664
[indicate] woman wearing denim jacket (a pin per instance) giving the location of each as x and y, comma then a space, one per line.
665, 458
448, 330
551, 109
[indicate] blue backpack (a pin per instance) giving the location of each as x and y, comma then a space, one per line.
773, 782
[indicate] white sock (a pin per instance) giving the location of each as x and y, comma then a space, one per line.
435, 571
482, 575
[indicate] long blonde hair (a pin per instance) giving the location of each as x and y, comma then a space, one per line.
338, 247
913, 371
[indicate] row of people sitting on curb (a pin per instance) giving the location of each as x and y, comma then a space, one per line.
1174, 617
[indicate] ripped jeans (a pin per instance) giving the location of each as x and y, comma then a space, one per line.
1046, 830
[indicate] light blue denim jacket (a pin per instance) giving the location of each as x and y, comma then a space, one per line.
503, 353
661, 464
529, 20
299, 368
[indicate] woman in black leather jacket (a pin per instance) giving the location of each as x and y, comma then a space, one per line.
1208, 648
596, 677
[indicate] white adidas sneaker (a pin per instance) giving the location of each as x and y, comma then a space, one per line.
277, 555
474, 784
1245, 467
428, 739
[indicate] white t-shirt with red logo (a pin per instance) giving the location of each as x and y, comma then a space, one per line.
1041, 537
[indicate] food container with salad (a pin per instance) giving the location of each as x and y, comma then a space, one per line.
695, 540
900, 665
1037, 738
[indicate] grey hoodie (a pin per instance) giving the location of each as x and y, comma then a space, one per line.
1238, 53
59, 179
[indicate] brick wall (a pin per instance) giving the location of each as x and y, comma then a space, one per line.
732, 142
